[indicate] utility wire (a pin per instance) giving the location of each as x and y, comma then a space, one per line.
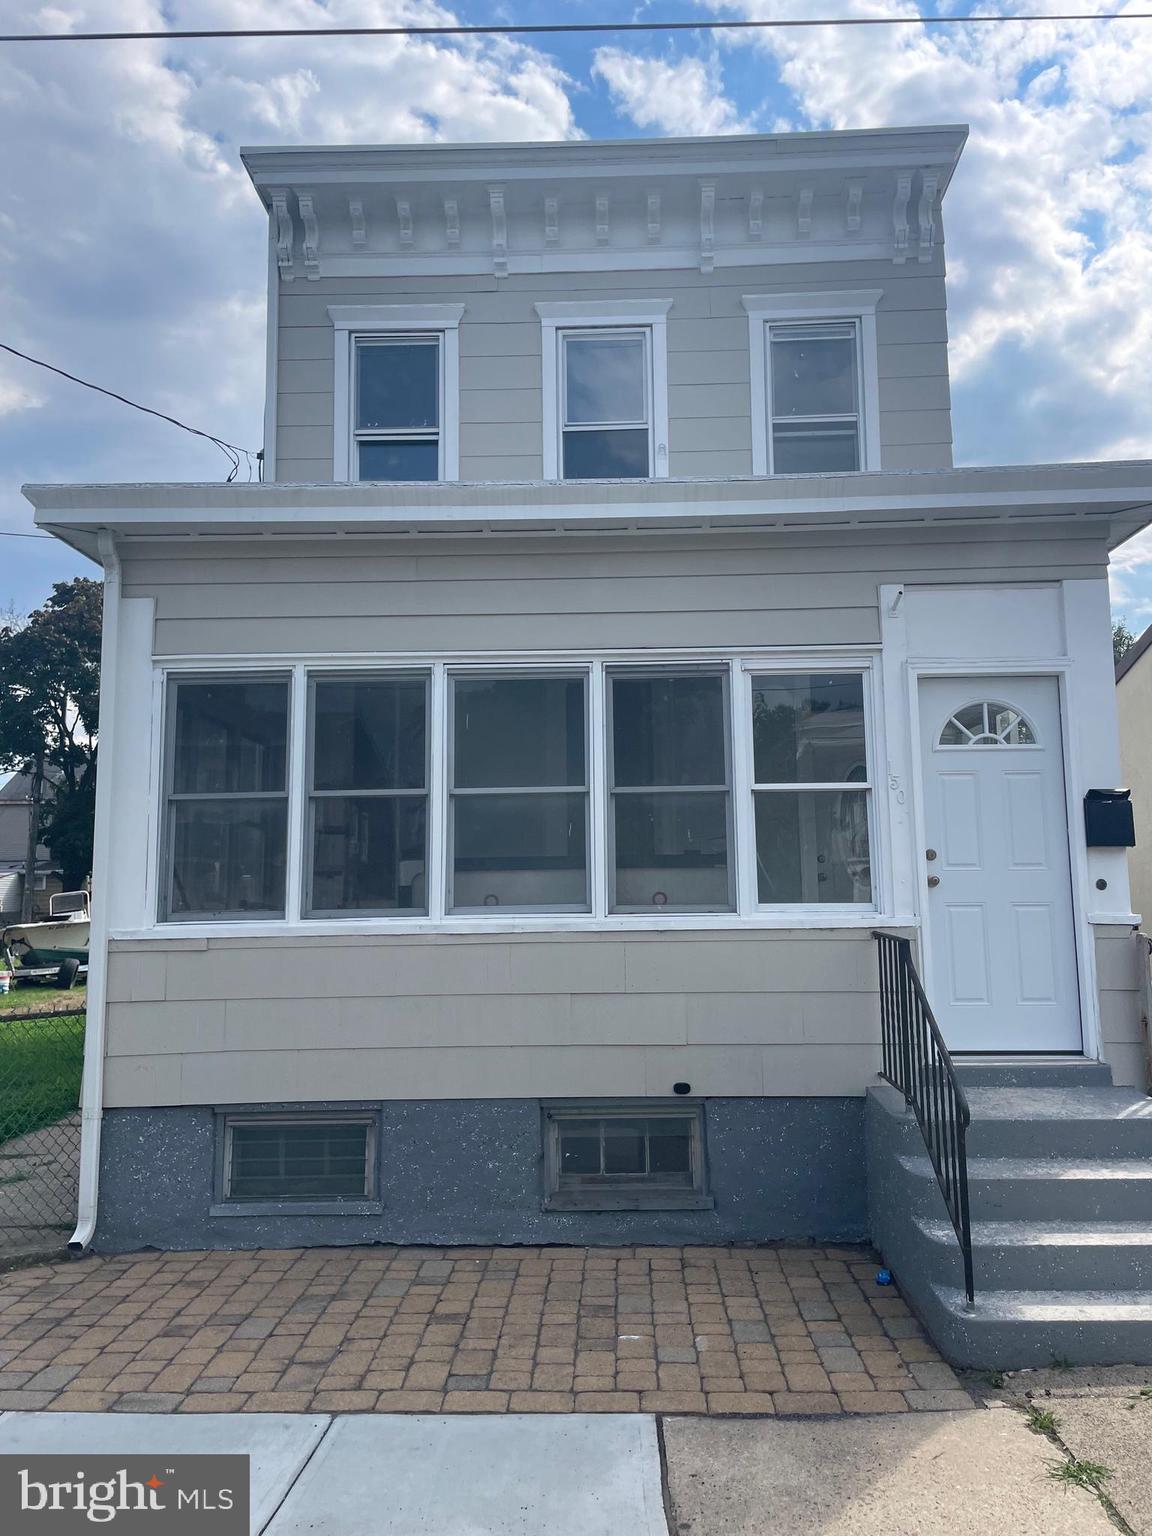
5, 534
232, 451
542, 28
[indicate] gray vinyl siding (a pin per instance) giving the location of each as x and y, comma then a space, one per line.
594, 591
709, 428
451, 1016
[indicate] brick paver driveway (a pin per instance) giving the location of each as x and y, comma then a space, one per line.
431, 1330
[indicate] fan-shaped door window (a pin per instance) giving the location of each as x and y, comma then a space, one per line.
987, 724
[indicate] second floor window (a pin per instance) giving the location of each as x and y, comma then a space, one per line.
814, 397
397, 409
606, 414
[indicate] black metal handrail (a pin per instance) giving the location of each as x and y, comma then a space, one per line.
917, 1064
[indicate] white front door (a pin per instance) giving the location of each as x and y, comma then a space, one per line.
1002, 973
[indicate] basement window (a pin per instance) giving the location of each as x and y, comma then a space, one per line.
627, 1159
305, 1160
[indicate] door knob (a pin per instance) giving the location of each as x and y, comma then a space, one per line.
933, 882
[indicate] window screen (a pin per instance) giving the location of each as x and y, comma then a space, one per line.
227, 797
298, 1159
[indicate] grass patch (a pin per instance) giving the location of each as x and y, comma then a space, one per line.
1041, 1420
40, 1066
1090, 1475
37, 995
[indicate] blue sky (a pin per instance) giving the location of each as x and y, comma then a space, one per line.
132, 248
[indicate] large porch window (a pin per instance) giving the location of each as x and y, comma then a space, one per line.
609, 790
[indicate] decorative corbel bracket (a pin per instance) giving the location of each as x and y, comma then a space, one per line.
900, 217
756, 214
359, 223
853, 202
804, 213
283, 217
707, 226
311, 235
499, 231
404, 215
928, 216
653, 218
603, 208
452, 220
551, 221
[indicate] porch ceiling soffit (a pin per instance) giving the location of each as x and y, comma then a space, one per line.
1114, 498
514, 209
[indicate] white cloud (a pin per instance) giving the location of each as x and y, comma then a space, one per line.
15, 396
132, 246
685, 97
1049, 218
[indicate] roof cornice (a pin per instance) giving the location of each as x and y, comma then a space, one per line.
447, 209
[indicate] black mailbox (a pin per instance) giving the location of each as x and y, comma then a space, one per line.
1108, 819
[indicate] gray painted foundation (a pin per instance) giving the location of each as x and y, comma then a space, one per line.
470, 1171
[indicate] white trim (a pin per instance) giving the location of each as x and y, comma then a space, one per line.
1090, 757
597, 791
857, 305
298, 858
350, 321
103, 875
866, 668
271, 361
606, 314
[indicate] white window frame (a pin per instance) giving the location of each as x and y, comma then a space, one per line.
312, 795
739, 665
455, 794
866, 786
170, 797
611, 316
858, 308
376, 322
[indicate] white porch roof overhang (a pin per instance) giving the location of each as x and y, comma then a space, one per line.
1115, 497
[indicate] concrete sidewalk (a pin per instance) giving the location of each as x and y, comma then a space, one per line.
1102, 1414
975, 1473
401, 1474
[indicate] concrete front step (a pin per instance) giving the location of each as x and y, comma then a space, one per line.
1015, 1329
1062, 1229
1032, 1072
1012, 1255
1060, 1122
1040, 1189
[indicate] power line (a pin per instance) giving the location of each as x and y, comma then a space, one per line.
536, 29
5, 534
232, 451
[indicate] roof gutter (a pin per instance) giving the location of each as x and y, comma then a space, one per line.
92, 1083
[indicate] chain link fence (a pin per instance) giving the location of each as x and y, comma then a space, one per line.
41, 1058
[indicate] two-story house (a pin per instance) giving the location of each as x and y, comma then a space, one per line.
498, 803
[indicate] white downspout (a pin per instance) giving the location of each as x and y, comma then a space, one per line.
92, 1083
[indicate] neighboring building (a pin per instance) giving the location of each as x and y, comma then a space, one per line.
497, 805
15, 810
1134, 705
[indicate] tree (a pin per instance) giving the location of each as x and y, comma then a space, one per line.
1122, 640
49, 715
